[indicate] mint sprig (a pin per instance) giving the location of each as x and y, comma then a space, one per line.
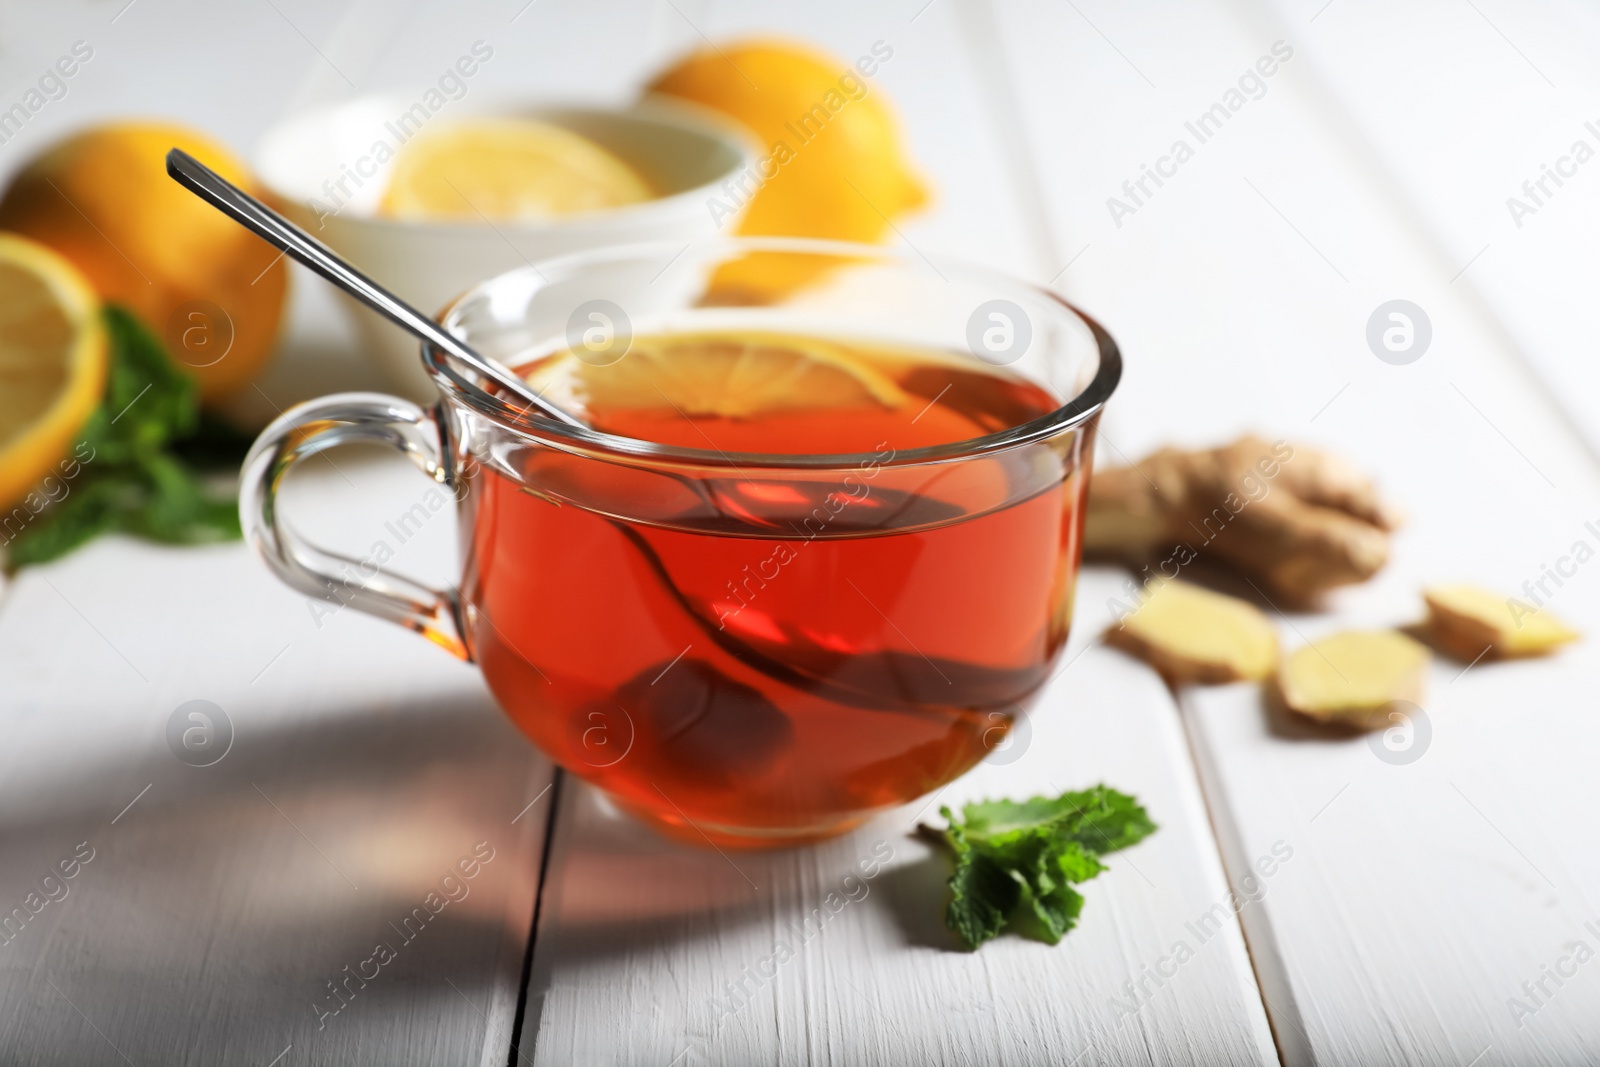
135, 466
1016, 862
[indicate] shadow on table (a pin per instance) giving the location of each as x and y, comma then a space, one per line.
619, 892
214, 915
621, 887
917, 895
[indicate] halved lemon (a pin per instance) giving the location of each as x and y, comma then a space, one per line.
725, 375
103, 200
52, 361
506, 168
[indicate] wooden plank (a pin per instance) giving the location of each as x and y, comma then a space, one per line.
643, 944
1432, 891
215, 903
1421, 895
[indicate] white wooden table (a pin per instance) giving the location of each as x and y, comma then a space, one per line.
1416, 899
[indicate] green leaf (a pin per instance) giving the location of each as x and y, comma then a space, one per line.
148, 400
1101, 819
1050, 898
1001, 816
1042, 846
177, 507
1109, 820
129, 470
1074, 863
87, 511
982, 894
1053, 913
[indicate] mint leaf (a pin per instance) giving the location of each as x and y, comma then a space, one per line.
133, 465
148, 401
1043, 846
84, 514
177, 508
1054, 913
1109, 820
982, 894
1050, 898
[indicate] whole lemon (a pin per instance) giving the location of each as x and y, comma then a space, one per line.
103, 200
832, 163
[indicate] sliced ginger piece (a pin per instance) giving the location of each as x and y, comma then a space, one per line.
1466, 620
1352, 677
1191, 634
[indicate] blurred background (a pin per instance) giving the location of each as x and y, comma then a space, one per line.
234, 74
1024, 121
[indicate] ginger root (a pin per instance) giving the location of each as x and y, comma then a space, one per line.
1297, 520
1466, 621
1351, 677
1191, 634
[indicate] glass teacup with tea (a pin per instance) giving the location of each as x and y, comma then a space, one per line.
812, 554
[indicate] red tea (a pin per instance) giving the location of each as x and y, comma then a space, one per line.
758, 654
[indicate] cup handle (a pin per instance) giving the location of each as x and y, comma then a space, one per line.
321, 425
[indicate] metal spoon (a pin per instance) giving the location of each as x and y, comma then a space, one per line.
257, 217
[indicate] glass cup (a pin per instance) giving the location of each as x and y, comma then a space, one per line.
742, 648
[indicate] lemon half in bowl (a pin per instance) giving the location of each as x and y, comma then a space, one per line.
506, 168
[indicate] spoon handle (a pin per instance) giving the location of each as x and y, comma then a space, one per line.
281, 233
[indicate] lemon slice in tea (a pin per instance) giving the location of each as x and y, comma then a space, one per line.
716, 375
503, 168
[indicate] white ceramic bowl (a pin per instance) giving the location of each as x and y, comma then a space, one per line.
325, 168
